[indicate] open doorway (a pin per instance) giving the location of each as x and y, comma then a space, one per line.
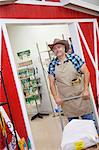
30, 49
28, 45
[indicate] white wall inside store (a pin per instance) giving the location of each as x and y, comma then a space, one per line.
25, 37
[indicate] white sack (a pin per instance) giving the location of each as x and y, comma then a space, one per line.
79, 134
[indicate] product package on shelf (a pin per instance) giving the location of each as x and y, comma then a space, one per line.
31, 86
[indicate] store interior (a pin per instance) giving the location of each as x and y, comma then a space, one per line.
32, 56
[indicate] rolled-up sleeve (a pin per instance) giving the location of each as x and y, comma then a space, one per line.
77, 61
80, 62
51, 69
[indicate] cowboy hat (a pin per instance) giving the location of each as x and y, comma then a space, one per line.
58, 41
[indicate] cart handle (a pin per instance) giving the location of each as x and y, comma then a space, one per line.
73, 98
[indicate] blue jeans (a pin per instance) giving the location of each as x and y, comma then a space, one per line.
86, 116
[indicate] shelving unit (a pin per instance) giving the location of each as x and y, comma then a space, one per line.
31, 87
2, 121
29, 83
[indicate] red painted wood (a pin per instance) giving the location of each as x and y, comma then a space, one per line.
22, 11
12, 93
87, 29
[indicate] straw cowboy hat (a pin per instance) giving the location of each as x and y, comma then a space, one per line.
58, 41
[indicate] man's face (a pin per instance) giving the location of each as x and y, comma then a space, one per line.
59, 50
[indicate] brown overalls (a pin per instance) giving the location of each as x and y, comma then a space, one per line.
64, 75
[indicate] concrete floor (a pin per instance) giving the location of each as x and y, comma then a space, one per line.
46, 133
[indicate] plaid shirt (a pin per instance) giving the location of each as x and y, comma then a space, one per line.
75, 59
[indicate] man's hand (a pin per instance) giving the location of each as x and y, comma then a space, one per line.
58, 100
85, 94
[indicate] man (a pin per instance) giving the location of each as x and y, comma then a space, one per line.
69, 77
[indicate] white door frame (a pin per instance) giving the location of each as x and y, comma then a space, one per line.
73, 27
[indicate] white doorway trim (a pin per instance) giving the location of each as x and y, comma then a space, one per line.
3, 22
43, 21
